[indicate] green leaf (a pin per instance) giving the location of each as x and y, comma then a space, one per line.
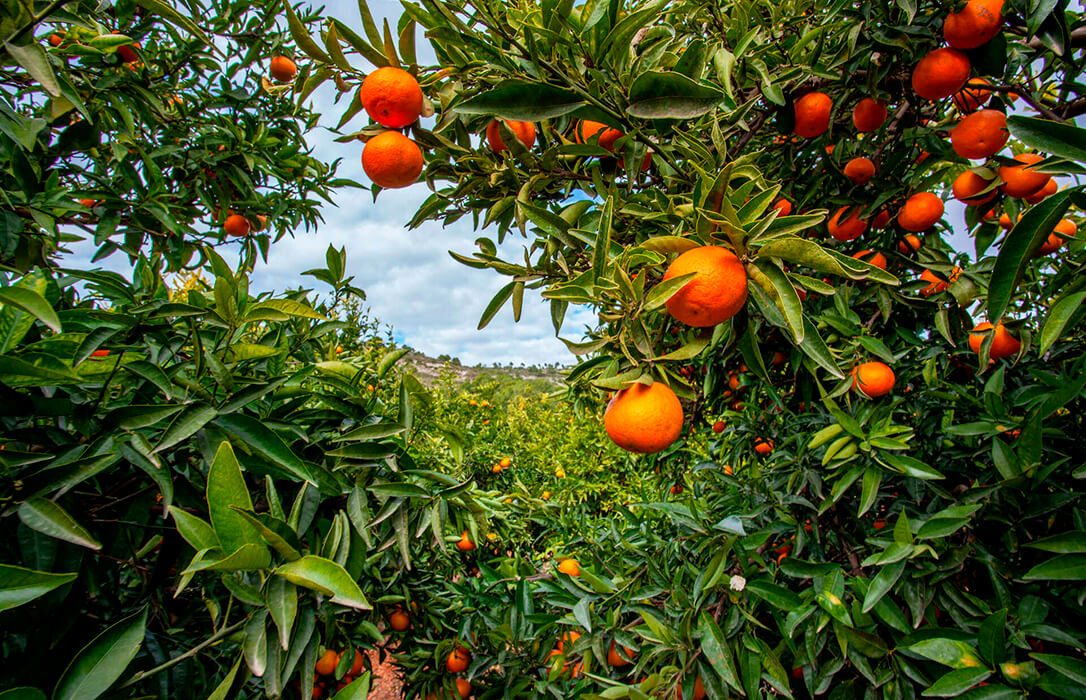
282, 600
194, 530
99, 664
602, 246
50, 519
223, 688
495, 305
784, 294
949, 652
33, 59
374, 431
327, 577
171, 15
266, 443
992, 637
33, 303
275, 532
1066, 567
1064, 140
287, 307
956, 682
659, 295
255, 646
226, 488
389, 359
187, 423
815, 348
1075, 669
1019, 248
1058, 316
882, 584
523, 101
1073, 542
668, 95
22, 693
301, 36
716, 649
359, 689
19, 585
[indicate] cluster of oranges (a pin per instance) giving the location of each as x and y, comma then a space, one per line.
392, 97
502, 465
326, 669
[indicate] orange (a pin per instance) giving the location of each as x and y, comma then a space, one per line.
849, 229
967, 186
88, 203
392, 97
505, 462
525, 132
326, 664
868, 114
356, 665
873, 379
56, 39
282, 69
128, 53
616, 660
920, 212
236, 225
873, 257
1021, 180
940, 74
813, 114
972, 96
699, 691
570, 567
860, 170
980, 135
763, 446
716, 292
644, 419
399, 620
1055, 240
392, 160
1005, 220
586, 132
977, 23
464, 544
458, 660
1003, 343
1050, 189
718, 427
908, 244
881, 219
258, 222
783, 206
463, 688
937, 284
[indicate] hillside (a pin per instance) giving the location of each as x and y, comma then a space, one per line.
429, 369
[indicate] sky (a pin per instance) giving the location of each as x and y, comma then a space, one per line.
432, 302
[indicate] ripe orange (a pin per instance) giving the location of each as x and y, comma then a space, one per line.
940, 74
392, 160
972, 96
813, 114
936, 283
356, 665
881, 219
980, 135
236, 225
525, 132
399, 620
644, 419
392, 97
88, 203
56, 39
873, 379
849, 229
282, 69
975, 25
1055, 240
463, 688
868, 114
920, 212
716, 292
1021, 180
616, 660
505, 462
586, 132
326, 664
718, 427
783, 206
570, 567
763, 446
967, 186
458, 660
873, 257
699, 691
258, 222
128, 53
1050, 189
464, 544
1003, 343
1005, 220
100, 353
908, 244
860, 170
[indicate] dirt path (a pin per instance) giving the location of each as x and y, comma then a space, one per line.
386, 678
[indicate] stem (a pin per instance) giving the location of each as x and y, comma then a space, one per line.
53, 7
224, 632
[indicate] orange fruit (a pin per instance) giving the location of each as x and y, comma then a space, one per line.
813, 114
1005, 220
881, 219
967, 186
463, 688
236, 225
718, 427
849, 229
868, 114
56, 39
783, 206
699, 691
977, 23
860, 170
644, 419
936, 283
940, 73
586, 132
980, 135
100, 353
464, 544
1021, 180
282, 69
1003, 343
505, 462
616, 660
779, 358
1050, 189
458, 660
356, 665
570, 567
88, 203
392, 97
392, 160
1055, 240
258, 222
326, 664
716, 292
873, 257
908, 244
128, 53
972, 96
763, 446
399, 620
873, 379
920, 212
525, 132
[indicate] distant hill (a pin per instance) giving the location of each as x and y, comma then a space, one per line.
428, 369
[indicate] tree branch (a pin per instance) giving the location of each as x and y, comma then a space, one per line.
224, 632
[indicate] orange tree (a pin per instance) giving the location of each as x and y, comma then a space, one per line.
918, 533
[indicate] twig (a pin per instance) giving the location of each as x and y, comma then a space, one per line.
745, 138
224, 632
53, 7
